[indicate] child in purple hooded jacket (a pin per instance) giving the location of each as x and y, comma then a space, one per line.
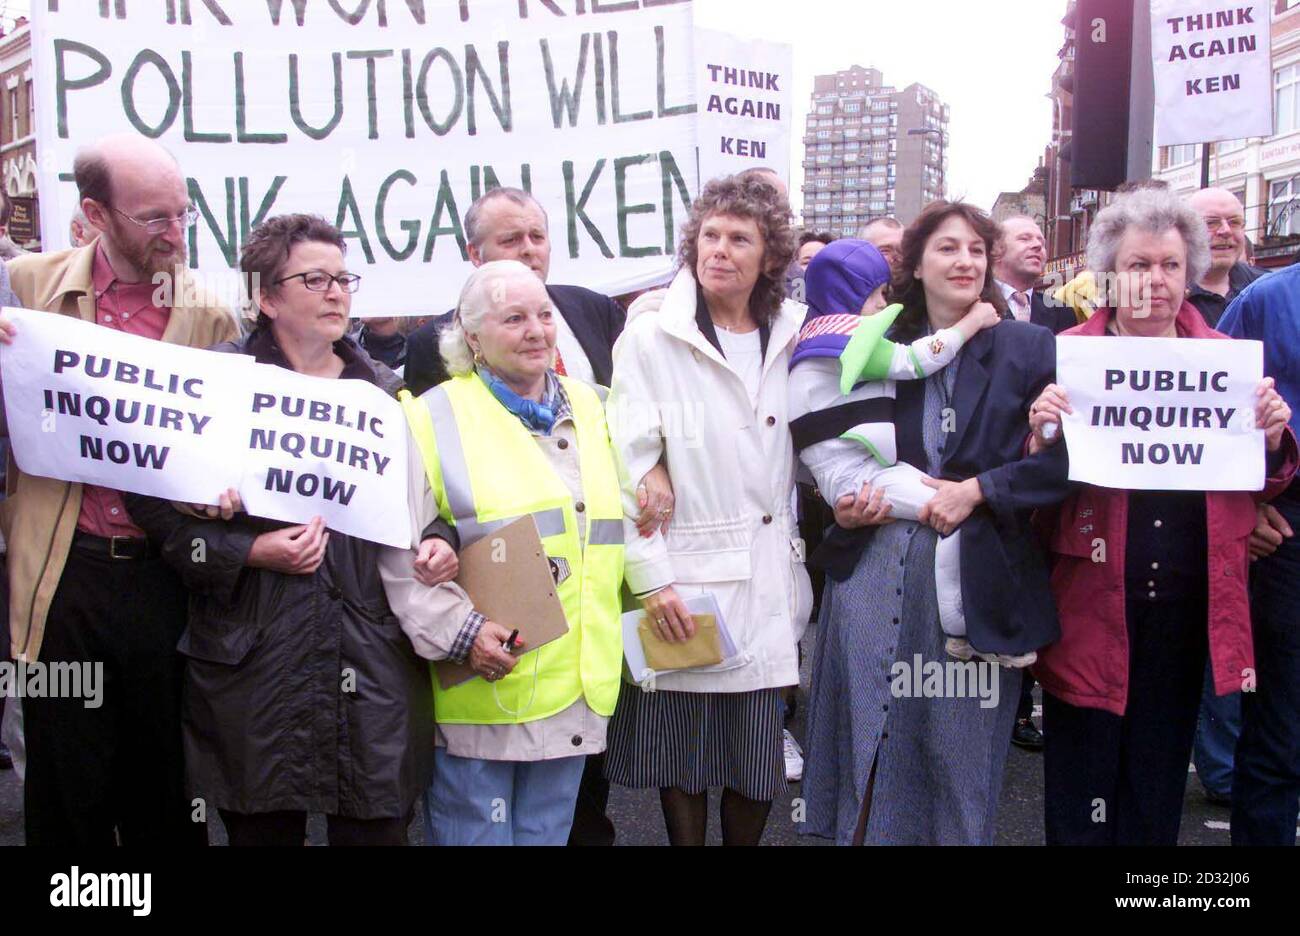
841, 402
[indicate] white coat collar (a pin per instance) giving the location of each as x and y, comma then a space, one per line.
677, 318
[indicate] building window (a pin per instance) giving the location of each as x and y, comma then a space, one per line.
1181, 155
31, 108
1286, 102
1284, 207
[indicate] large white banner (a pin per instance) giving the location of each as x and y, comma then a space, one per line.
1163, 414
95, 405
746, 103
389, 118
1213, 70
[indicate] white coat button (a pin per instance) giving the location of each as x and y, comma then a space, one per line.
1159, 524
1155, 565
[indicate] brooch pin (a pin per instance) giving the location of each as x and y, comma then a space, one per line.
936, 346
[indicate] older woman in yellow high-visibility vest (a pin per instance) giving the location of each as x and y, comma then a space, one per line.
504, 438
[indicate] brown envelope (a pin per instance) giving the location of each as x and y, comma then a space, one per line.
704, 649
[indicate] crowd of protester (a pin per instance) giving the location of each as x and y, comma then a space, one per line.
879, 455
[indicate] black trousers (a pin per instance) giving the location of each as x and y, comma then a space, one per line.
1112, 780
288, 828
1026, 707
115, 772
591, 824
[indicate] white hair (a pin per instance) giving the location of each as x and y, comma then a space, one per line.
1155, 211
482, 292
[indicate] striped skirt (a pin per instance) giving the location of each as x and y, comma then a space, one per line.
697, 740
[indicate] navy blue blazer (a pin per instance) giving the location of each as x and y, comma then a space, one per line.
595, 319
1058, 316
1004, 575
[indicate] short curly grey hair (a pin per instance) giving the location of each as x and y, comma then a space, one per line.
478, 297
1154, 211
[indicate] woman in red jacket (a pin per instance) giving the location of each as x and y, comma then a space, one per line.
1122, 686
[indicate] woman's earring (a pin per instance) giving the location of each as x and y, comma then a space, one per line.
478, 357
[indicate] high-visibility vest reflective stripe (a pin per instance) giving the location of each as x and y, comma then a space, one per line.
486, 470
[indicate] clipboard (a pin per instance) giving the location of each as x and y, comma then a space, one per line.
508, 577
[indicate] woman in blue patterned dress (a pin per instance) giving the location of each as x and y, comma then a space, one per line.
905, 744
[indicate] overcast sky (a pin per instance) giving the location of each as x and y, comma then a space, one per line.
991, 61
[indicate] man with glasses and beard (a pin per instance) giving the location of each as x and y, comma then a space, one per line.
86, 584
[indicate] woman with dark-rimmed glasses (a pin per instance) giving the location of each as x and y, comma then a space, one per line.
302, 693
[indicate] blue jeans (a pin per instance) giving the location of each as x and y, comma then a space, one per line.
1217, 732
1266, 785
485, 802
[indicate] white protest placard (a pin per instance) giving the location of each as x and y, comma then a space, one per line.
92, 404
389, 118
1213, 70
1163, 414
329, 448
746, 102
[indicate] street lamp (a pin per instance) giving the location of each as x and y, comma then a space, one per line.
934, 131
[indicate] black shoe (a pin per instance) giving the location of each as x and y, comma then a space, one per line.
6, 759
1026, 736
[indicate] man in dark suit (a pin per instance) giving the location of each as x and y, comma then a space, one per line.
509, 224
1019, 265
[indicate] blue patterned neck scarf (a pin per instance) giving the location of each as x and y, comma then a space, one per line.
539, 417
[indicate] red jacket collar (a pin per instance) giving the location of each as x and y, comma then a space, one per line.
1189, 323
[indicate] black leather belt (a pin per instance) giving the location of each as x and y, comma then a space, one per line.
116, 547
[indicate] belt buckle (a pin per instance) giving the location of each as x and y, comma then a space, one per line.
112, 547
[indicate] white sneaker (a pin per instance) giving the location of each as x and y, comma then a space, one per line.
793, 758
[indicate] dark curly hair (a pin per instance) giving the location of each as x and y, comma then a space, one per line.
262, 258
910, 291
754, 198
